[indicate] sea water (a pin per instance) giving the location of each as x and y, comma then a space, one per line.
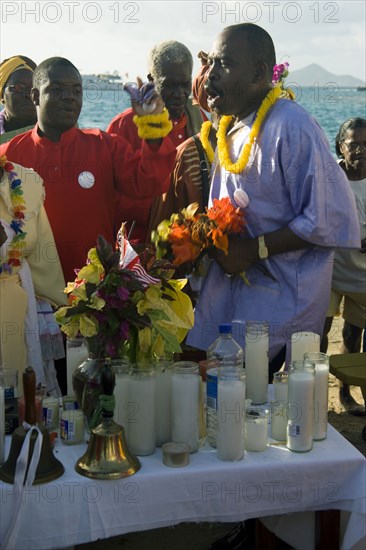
329, 105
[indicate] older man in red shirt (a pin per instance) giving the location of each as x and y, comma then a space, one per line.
170, 66
84, 170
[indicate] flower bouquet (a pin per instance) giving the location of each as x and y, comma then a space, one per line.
127, 305
187, 236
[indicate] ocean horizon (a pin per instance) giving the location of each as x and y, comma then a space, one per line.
329, 105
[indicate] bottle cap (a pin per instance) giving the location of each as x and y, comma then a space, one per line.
225, 328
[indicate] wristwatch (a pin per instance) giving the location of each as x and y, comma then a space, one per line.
262, 249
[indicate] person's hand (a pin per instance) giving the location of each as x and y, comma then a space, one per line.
3, 235
144, 98
242, 253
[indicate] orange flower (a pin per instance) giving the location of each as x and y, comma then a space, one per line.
185, 252
227, 217
189, 235
219, 239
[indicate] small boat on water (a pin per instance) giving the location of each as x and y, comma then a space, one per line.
361, 88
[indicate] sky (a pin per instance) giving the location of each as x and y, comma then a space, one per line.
111, 35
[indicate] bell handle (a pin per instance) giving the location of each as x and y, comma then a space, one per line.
108, 379
29, 388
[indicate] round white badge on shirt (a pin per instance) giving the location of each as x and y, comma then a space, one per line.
241, 198
86, 180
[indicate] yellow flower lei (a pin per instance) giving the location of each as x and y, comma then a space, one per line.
153, 126
224, 156
204, 133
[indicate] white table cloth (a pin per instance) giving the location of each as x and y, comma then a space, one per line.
74, 509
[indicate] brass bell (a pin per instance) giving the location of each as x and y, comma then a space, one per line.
107, 455
49, 467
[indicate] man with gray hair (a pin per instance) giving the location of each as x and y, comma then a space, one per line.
170, 66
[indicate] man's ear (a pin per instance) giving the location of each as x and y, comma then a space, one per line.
150, 78
35, 96
261, 70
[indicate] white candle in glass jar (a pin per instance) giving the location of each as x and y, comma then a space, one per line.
230, 414
163, 402
72, 427
301, 388
141, 430
321, 361
185, 404
256, 361
50, 407
279, 420
303, 342
256, 429
76, 353
280, 386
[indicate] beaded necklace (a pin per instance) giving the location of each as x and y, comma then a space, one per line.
14, 250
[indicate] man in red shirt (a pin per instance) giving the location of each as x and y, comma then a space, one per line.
170, 65
84, 170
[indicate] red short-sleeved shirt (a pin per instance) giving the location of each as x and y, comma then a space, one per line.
83, 174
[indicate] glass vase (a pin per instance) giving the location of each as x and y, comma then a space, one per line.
86, 382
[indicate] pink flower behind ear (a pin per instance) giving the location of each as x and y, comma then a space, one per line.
280, 72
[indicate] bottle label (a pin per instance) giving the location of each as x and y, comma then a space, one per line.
67, 430
211, 398
294, 429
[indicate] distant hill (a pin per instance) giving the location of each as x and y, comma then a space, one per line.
315, 73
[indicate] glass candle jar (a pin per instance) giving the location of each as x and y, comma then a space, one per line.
50, 412
230, 413
256, 361
72, 427
141, 429
185, 404
301, 390
256, 429
321, 362
280, 386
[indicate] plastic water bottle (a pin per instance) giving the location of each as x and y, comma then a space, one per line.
224, 352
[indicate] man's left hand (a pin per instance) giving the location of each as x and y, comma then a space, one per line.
242, 253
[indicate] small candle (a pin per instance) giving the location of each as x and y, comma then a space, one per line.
230, 414
72, 427
321, 361
76, 353
256, 428
50, 410
256, 361
301, 388
185, 404
280, 384
303, 342
279, 420
175, 455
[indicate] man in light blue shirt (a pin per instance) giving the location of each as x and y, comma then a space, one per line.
300, 204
